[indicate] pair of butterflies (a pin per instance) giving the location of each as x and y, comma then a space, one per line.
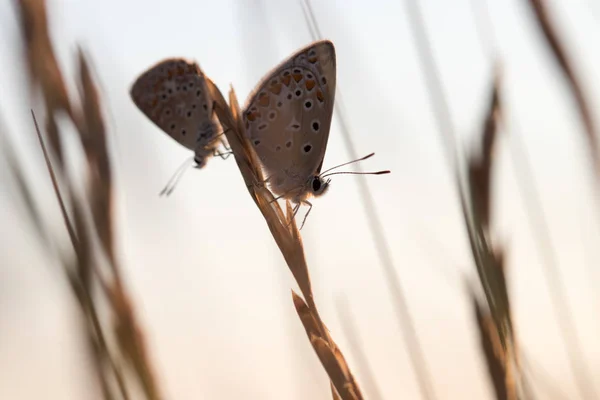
287, 117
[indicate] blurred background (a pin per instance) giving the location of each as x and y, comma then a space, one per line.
210, 289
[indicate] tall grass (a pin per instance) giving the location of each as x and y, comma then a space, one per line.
122, 361
93, 271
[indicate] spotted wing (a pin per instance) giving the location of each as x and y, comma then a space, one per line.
173, 95
288, 115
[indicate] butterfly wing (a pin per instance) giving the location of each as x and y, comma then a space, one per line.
173, 95
288, 116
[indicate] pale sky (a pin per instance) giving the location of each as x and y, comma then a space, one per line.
209, 284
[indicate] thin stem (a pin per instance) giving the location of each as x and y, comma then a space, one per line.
63, 209
97, 335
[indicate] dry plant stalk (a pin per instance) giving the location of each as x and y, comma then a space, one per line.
495, 355
84, 270
552, 40
285, 232
494, 321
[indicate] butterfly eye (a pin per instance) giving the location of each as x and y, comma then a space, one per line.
316, 184
308, 104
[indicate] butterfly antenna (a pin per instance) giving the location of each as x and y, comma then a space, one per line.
349, 162
172, 183
357, 173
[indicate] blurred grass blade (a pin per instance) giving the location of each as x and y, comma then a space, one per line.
493, 350
480, 169
532, 199
93, 141
540, 10
42, 64
84, 270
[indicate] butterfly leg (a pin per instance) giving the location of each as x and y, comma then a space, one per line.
224, 156
224, 143
309, 204
261, 184
294, 212
221, 135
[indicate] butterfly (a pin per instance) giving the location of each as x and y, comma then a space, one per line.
174, 95
287, 119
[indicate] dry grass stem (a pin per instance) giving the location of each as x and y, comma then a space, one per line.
530, 193
495, 355
473, 192
285, 233
490, 264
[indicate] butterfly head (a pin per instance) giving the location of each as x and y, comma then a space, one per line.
201, 156
318, 185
